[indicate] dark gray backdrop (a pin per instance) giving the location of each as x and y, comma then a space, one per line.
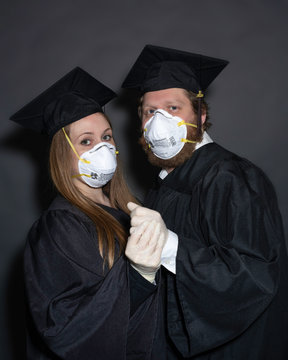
42, 40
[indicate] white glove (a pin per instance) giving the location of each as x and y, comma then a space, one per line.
148, 237
140, 214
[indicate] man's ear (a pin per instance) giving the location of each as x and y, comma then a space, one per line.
203, 118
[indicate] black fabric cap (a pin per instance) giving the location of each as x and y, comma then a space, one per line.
74, 96
159, 68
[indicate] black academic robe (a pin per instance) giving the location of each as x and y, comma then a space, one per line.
78, 309
229, 297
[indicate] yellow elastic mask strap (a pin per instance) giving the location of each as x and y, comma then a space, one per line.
188, 141
149, 146
77, 175
184, 123
73, 148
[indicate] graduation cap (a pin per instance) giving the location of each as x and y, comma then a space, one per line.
159, 68
74, 96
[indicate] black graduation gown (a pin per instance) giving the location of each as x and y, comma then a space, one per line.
229, 297
75, 311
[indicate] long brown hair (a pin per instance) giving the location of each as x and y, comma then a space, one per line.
107, 227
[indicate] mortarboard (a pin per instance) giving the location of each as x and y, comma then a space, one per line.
74, 96
159, 68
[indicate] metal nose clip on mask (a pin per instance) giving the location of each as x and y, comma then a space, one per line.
97, 165
166, 134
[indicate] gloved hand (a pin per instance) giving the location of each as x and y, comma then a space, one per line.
140, 214
148, 237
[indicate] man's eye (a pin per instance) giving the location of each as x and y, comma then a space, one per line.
85, 142
173, 108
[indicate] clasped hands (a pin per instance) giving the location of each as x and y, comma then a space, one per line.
148, 235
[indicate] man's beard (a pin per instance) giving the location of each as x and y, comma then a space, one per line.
181, 157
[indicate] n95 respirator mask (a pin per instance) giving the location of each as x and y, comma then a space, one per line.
166, 134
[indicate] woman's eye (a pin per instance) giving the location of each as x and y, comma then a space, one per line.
173, 108
107, 137
85, 142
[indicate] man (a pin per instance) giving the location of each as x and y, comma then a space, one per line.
224, 261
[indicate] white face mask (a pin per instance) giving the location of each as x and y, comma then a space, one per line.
166, 134
97, 165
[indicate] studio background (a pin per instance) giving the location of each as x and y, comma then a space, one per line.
41, 41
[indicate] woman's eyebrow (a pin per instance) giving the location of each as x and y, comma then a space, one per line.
85, 133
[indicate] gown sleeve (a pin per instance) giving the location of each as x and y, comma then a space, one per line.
79, 312
140, 289
227, 270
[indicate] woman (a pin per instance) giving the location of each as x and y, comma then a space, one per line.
84, 300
